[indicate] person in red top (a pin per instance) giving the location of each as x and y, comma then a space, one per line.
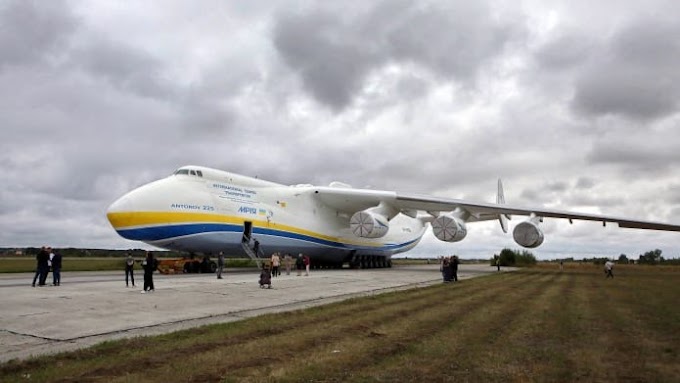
305, 259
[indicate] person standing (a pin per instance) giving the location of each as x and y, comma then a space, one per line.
129, 270
276, 263
48, 266
44, 262
220, 264
41, 257
299, 264
149, 265
609, 269
288, 262
307, 263
256, 248
454, 268
56, 269
446, 269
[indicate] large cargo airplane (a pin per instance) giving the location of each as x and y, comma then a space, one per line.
204, 210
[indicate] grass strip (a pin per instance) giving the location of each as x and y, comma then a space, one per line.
533, 325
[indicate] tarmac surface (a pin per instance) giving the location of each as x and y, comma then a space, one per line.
92, 307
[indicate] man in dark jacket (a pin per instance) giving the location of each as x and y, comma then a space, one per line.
299, 264
149, 265
56, 269
39, 263
43, 265
454, 268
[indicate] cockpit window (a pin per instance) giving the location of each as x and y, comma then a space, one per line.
197, 173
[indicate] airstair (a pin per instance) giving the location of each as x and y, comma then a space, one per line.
251, 253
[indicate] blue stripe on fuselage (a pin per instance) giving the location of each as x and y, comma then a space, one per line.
166, 232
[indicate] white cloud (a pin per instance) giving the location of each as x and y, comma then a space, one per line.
574, 104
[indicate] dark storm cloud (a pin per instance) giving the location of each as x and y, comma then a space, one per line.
558, 186
124, 67
319, 47
32, 31
647, 153
567, 51
333, 52
633, 74
584, 183
452, 39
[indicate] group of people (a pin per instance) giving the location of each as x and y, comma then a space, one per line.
449, 268
149, 265
47, 260
302, 262
273, 268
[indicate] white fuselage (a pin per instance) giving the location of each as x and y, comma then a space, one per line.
211, 210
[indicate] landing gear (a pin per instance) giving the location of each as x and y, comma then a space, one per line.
371, 262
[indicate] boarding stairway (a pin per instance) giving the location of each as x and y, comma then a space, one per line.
251, 253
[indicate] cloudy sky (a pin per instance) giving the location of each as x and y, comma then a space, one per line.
574, 104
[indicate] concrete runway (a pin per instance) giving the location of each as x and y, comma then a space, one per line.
91, 307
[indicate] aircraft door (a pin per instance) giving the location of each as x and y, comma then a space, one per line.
247, 231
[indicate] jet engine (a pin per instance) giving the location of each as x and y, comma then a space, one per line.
367, 224
449, 228
528, 234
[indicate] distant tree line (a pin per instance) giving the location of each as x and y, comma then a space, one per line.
75, 252
509, 257
652, 257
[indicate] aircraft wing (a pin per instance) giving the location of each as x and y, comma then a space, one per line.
354, 200
492, 211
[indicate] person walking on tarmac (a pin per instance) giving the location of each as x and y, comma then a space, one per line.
149, 265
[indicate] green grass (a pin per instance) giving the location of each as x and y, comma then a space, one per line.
536, 324
27, 264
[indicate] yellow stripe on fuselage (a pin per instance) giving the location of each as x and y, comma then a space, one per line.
122, 220
127, 220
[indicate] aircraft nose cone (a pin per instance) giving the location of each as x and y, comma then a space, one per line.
121, 204
116, 211
129, 213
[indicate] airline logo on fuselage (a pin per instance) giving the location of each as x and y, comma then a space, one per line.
247, 210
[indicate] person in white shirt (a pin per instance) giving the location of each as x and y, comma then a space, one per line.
609, 269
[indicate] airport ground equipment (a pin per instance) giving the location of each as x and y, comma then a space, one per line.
186, 265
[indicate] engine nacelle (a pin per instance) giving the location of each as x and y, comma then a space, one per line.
449, 228
528, 234
366, 224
